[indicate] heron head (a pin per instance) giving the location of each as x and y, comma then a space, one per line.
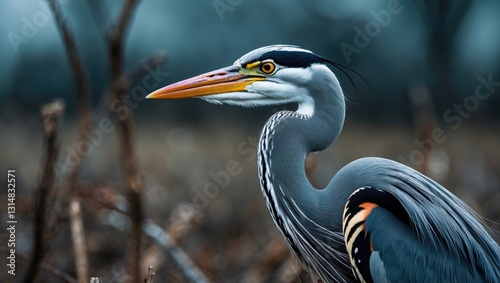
270, 75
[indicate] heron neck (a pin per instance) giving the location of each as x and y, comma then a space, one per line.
286, 140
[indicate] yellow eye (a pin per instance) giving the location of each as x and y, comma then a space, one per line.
267, 67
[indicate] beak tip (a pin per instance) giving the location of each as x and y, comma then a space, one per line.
151, 96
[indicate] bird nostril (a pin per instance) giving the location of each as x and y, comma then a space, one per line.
216, 75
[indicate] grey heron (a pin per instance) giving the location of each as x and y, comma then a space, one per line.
377, 220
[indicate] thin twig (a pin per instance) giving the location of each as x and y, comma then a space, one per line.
164, 241
127, 79
84, 115
151, 274
77, 234
82, 85
97, 196
81, 80
51, 122
116, 36
424, 120
134, 182
183, 220
58, 273
125, 17
167, 245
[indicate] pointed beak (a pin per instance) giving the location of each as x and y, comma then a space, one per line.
224, 80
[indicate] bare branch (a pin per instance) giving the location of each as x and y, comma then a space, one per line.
183, 220
165, 242
116, 35
83, 97
58, 209
77, 233
167, 245
125, 16
151, 274
58, 273
424, 119
51, 121
134, 183
126, 80
82, 83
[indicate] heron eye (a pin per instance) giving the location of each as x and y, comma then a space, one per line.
267, 67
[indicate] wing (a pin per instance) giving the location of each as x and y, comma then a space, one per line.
399, 256
404, 227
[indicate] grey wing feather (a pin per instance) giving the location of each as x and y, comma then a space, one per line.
440, 220
399, 256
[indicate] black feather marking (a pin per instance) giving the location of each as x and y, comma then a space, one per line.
340, 66
380, 198
302, 59
362, 256
351, 232
361, 247
273, 209
352, 210
293, 59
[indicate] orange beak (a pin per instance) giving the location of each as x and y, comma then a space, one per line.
224, 80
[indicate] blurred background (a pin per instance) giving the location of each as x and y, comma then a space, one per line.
428, 66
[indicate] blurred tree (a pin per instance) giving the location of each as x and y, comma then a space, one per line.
442, 20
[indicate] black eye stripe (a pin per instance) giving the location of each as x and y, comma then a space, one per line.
291, 58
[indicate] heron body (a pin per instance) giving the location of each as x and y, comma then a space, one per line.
377, 220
